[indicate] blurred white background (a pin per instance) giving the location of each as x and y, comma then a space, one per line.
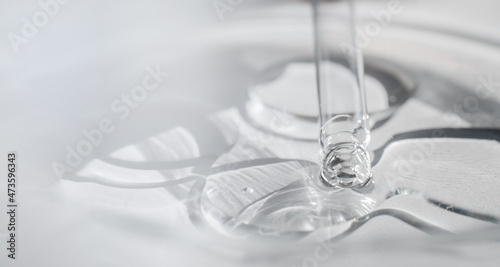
64, 79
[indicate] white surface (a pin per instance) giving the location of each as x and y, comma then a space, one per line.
64, 80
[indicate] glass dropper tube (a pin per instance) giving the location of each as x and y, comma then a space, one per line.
344, 121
